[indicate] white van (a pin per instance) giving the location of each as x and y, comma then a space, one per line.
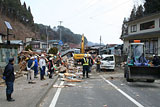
107, 62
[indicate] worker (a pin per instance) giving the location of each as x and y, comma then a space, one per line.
143, 60
35, 67
30, 69
156, 60
50, 67
90, 62
9, 78
85, 63
98, 60
42, 64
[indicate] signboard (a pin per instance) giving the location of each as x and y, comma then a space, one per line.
8, 25
60, 42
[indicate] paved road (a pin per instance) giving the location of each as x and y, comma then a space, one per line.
102, 89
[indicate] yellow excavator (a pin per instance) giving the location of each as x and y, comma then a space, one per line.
79, 53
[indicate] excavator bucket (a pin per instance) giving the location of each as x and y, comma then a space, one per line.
144, 72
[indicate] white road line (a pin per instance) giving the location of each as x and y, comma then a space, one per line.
122, 92
55, 99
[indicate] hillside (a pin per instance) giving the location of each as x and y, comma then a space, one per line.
54, 33
21, 19
20, 30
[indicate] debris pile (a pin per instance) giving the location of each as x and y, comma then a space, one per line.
69, 72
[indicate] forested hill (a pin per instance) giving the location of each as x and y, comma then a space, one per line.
54, 33
22, 21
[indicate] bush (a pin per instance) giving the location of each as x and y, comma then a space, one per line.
53, 50
28, 47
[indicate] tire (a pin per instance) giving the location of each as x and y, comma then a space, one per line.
150, 80
129, 80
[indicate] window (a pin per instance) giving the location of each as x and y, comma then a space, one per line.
109, 58
134, 28
44, 46
36, 46
147, 25
151, 46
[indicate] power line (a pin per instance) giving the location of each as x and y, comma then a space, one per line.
109, 10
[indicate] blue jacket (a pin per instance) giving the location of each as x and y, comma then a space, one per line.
30, 62
9, 73
36, 63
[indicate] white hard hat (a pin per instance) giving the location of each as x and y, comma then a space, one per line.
32, 57
42, 55
50, 58
89, 55
99, 56
85, 55
35, 56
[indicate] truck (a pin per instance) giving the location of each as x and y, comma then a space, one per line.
135, 70
107, 62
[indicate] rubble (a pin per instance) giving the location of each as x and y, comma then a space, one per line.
69, 72
64, 86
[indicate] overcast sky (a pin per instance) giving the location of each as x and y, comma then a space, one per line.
89, 17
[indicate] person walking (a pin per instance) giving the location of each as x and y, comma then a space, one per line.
42, 64
90, 62
35, 67
50, 67
85, 63
9, 78
30, 69
98, 60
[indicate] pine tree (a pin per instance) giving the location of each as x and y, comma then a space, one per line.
152, 6
140, 11
133, 14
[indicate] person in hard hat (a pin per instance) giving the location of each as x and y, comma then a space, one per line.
90, 62
98, 60
30, 69
35, 67
50, 67
156, 60
42, 64
85, 63
9, 78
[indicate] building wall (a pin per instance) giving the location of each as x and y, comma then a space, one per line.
157, 28
0, 39
158, 46
125, 47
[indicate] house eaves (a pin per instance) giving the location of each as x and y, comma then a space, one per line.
142, 35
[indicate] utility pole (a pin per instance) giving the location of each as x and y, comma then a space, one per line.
47, 38
60, 22
60, 34
100, 46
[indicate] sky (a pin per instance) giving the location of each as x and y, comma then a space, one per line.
93, 18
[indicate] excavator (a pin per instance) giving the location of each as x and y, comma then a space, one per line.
135, 68
79, 53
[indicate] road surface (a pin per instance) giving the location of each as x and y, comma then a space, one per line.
106, 89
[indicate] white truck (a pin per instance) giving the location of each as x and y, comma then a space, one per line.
107, 62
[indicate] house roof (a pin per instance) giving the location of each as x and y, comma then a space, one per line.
145, 17
18, 42
53, 41
153, 34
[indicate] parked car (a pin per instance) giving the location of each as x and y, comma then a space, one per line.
107, 62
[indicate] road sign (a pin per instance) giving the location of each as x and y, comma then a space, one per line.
60, 42
8, 25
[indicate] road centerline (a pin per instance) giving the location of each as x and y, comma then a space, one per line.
122, 92
55, 98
